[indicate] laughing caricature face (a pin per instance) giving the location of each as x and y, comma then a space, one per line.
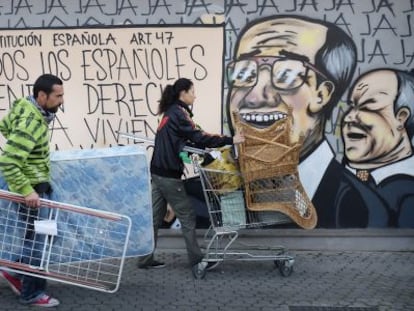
274, 70
373, 133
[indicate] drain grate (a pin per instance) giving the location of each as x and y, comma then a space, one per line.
313, 308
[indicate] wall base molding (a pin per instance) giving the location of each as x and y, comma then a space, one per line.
317, 239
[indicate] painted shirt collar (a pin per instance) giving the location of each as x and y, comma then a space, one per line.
405, 166
312, 169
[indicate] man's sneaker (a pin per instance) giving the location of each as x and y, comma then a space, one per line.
14, 282
43, 300
152, 265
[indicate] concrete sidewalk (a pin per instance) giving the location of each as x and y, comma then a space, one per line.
321, 280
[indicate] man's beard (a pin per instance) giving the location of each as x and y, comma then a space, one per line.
52, 110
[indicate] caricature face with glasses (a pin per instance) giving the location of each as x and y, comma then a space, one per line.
274, 72
263, 87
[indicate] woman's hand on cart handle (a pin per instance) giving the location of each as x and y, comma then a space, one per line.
238, 138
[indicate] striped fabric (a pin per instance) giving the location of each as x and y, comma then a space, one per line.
25, 158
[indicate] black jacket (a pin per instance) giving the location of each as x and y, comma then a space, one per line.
175, 130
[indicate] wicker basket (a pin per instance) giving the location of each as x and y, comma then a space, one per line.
268, 162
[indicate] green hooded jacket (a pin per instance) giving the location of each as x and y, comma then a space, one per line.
25, 160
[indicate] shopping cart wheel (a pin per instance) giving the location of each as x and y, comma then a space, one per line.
199, 270
285, 267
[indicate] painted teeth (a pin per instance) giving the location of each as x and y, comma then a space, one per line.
263, 117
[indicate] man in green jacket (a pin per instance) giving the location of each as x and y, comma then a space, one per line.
25, 165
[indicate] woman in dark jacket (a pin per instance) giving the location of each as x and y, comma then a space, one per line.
175, 130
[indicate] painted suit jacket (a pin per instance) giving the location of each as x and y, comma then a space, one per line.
388, 196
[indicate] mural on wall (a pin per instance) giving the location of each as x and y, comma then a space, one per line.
377, 132
304, 64
333, 58
113, 76
283, 62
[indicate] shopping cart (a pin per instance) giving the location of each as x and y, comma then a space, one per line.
228, 216
224, 195
79, 246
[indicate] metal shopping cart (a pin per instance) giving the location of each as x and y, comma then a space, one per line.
224, 195
78, 245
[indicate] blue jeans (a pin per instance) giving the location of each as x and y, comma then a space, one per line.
32, 287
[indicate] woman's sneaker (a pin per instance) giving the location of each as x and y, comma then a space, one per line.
14, 282
152, 265
43, 300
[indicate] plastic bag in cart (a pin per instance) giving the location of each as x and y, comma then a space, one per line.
224, 162
233, 209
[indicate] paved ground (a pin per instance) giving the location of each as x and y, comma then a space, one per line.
320, 281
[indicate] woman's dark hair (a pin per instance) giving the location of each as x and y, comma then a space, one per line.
172, 92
